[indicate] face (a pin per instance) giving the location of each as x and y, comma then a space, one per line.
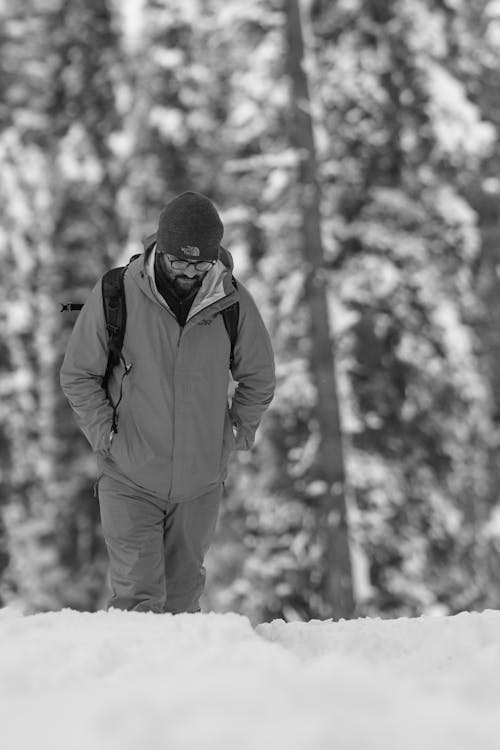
185, 279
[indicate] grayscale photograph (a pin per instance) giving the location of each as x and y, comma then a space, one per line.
250, 374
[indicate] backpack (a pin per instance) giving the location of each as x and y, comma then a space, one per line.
115, 315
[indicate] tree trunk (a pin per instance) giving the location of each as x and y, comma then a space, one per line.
487, 279
332, 515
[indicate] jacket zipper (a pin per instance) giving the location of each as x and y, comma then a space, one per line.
174, 401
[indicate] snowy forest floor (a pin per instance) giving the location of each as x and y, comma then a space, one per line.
136, 681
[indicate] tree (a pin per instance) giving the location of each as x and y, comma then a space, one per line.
332, 524
402, 246
60, 209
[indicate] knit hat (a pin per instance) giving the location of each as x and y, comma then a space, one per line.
190, 228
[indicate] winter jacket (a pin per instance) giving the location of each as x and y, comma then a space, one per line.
175, 431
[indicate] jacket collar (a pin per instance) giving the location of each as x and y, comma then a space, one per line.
216, 292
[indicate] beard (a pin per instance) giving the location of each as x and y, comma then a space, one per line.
184, 285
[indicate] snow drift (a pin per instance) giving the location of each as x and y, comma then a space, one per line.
134, 681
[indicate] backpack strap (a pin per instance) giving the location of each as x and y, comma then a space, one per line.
115, 316
231, 316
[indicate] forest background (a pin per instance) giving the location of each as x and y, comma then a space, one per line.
108, 110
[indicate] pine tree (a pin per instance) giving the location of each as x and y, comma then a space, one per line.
403, 245
332, 524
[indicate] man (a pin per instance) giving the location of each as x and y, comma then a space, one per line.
162, 470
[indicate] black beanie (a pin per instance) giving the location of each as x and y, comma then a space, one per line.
190, 228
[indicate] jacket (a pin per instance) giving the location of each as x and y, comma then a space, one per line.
175, 433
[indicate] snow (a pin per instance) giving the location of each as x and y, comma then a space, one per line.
127, 681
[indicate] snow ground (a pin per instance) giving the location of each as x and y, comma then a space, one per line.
140, 681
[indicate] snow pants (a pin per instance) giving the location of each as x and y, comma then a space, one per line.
156, 549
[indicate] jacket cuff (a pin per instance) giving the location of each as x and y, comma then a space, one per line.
244, 440
106, 441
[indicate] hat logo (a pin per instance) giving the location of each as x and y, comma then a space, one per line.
191, 250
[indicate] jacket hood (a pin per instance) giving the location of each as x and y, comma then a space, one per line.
216, 291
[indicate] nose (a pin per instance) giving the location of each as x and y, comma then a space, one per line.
190, 271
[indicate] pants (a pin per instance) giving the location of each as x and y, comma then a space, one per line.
156, 549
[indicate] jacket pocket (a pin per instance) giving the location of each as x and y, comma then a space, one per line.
132, 444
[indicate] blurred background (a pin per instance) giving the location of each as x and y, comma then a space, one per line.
352, 149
